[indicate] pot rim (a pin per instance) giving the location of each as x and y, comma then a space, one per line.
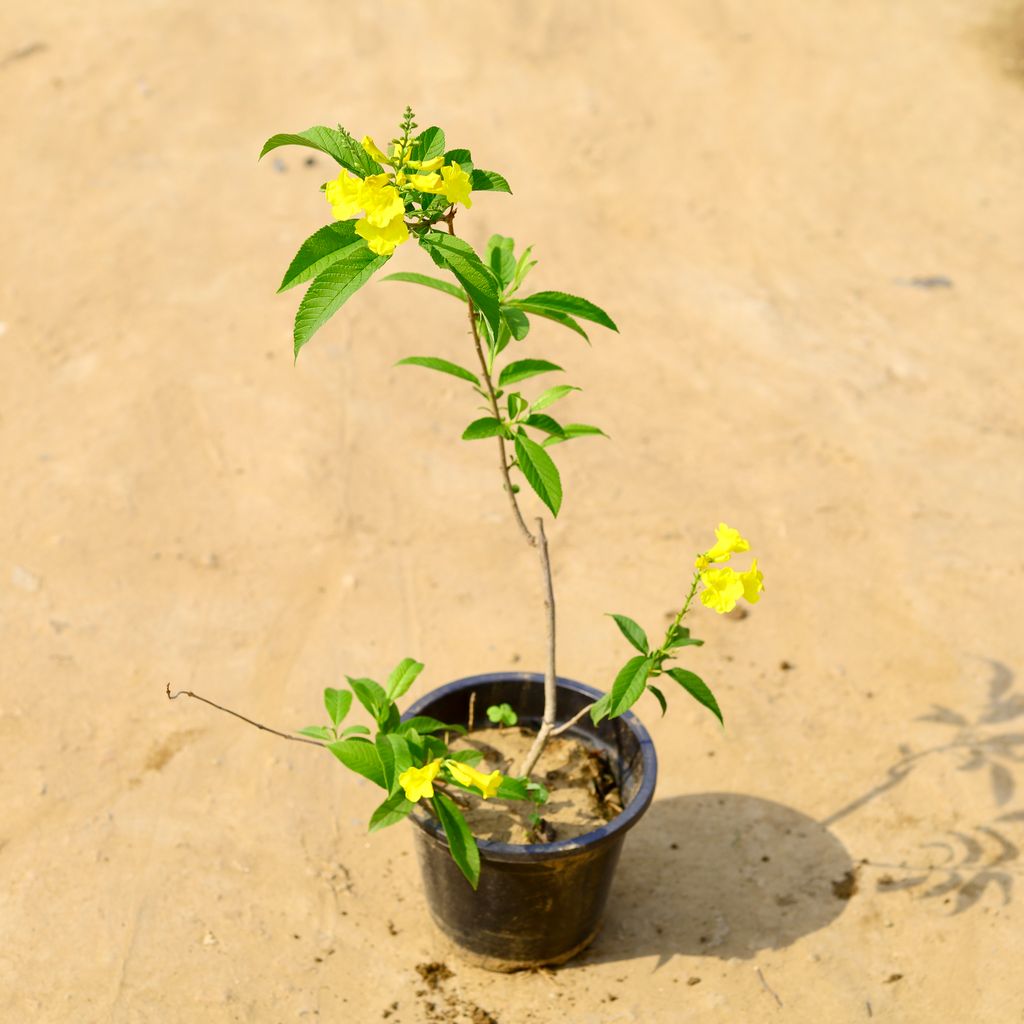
527, 852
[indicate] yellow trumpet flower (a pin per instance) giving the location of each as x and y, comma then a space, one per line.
419, 782
469, 776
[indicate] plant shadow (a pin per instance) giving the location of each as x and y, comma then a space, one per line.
722, 875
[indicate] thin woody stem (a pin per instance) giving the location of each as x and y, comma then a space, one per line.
228, 711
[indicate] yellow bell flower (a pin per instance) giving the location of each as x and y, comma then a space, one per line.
383, 240
469, 776
426, 166
374, 150
345, 194
419, 782
381, 201
722, 589
456, 187
728, 542
426, 182
753, 583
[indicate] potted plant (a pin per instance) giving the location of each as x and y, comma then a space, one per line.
535, 897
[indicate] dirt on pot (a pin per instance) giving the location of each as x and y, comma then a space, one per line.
584, 793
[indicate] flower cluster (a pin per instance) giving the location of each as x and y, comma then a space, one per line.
724, 587
384, 198
419, 782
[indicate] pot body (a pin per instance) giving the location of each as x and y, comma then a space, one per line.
540, 903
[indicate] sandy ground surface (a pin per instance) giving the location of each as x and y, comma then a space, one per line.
751, 189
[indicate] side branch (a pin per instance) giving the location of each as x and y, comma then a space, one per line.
228, 711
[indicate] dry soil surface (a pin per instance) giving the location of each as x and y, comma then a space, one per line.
808, 221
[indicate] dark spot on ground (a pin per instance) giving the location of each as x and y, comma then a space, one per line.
434, 973
845, 887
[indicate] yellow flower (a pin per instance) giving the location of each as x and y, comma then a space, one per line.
469, 776
371, 147
702, 562
753, 583
426, 182
345, 194
426, 166
722, 589
382, 240
419, 782
456, 187
729, 541
381, 201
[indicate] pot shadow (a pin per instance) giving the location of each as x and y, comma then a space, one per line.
723, 875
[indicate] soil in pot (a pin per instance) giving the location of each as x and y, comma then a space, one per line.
584, 794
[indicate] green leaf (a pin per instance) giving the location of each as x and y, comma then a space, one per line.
660, 696
488, 181
355, 730
629, 685
461, 843
632, 632
516, 404
514, 789
486, 426
441, 365
319, 251
462, 157
480, 283
394, 756
396, 808
553, 395
335, 142
523, 267
599, 709
425, 724
503, 714
318, 732
537, 792
541, 422
517, 321
429, 282
337, 703
683, 641
431, 144
370, 694
550, 314
571, 430
361, 757
353, 267
433, 747
466, 756
498, 255
540, 472
403, 676
524, 368
697, 688
563, 302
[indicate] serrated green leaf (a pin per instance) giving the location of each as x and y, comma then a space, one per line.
632, 632
660, 697
319, 251
396, 808
552, 395
337, 703
521, 369
550, 314
488, 181
318, 732
629, 685
355, 730
486, 426
370, 694
441, 365
571, 430
429, 282
573, 305
425, 724
498, 255
335, 142
462, 157
540, 472
479, 282
395, 758
698, 689
517, 321
430, 143
523, 267
333, 287
461, 843
599, 709
361, 757
402, 677
540, 421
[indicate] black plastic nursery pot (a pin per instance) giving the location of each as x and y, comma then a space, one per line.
540, 903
